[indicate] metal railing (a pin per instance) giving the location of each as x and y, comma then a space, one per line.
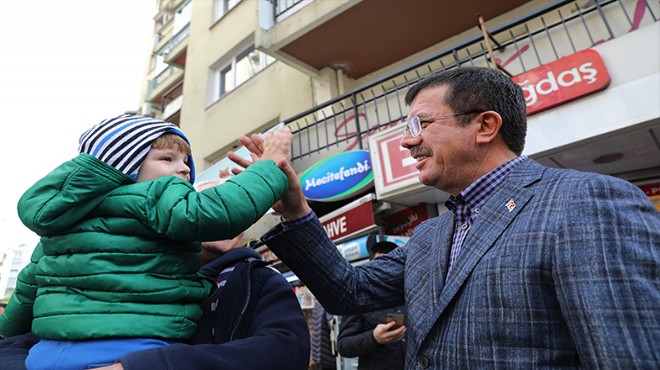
160, 78
545, 35
175, 40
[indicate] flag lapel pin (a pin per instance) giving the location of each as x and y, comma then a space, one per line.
511, 205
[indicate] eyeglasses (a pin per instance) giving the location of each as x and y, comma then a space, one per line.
416, 124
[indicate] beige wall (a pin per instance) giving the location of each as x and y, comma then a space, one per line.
276, 92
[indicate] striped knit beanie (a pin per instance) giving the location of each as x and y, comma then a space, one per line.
124, 141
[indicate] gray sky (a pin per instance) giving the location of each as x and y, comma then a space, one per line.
64, 66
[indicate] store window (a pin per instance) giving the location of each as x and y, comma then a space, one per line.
221, 7
238, 70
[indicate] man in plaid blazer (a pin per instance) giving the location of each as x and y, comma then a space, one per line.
532, 267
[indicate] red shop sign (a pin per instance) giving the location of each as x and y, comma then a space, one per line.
395, 163
651, 189
563, 80
405, 221
350, 222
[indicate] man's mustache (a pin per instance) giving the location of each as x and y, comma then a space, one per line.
418, 150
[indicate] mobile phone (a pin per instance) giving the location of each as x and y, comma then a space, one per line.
398, 318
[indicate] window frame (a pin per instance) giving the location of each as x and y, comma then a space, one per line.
222, 7
218, 75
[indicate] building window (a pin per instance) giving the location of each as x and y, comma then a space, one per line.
240, 69
182, 17
221, 7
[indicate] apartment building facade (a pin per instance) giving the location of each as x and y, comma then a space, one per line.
336, 71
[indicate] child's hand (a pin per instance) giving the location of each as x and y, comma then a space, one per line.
276, 146
293, 205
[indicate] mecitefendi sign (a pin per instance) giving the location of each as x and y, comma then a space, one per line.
338, 177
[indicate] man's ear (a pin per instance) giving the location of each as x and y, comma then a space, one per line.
490, 125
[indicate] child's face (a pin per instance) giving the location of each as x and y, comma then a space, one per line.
164, 162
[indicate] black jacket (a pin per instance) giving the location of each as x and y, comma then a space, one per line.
259, 324
356, 340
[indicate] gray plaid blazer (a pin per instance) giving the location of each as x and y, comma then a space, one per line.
567, 278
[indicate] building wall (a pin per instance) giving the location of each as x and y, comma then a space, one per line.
281, 91
275, 92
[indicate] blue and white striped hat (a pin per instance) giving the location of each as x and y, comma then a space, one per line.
124, 141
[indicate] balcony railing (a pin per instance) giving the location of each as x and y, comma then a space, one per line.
176, 40
159, 79
550, 33
282, 6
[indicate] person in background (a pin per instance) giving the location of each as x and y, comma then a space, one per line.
532, 267
115, 270
323, 339
2, 308
378, 343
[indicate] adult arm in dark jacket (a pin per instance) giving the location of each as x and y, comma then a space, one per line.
14, 350
276, 337
355, 338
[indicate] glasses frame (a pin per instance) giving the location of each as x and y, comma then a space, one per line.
410, 124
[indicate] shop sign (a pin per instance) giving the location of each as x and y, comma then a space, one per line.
350, 222
338, 177
405, 221
395, 164
653, 192
651, 189
563, 80
356, 249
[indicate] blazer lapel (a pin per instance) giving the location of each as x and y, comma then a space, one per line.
496, 215
426, 278
440, 262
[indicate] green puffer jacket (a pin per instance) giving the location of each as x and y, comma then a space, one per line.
118, 258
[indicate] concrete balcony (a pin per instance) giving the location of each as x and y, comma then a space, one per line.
172, 102
361, 37
174, 52
164, 82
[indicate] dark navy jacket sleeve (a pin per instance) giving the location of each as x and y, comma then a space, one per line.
14, 350
277, 338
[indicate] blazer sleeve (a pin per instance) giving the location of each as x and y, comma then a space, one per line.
278, 339
355, 337
341, 288
17, 318
606, 268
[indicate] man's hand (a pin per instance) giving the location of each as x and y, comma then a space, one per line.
293, 204
384, 333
